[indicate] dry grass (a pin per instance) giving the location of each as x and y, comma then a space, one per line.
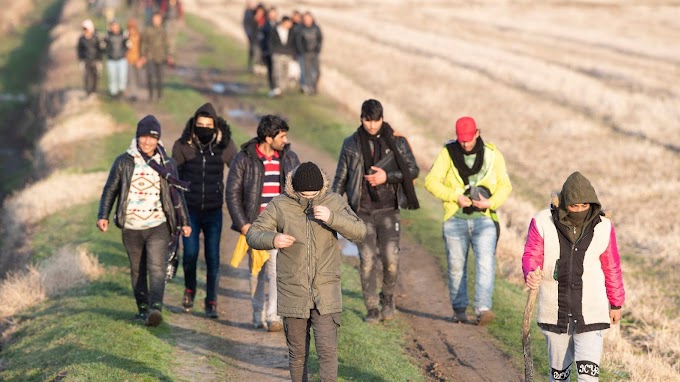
12, 13
68, 267
557, 93
89, 125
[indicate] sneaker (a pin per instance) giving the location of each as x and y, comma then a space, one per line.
275, 326
211, 309
258, 325
460, 317
188, 300
154, 318
373, 316
485, 317
274, 92
387, 307
140, 317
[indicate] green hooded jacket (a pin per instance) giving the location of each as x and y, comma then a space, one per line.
577, 189
307, 272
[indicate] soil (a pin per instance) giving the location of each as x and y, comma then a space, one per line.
445, 351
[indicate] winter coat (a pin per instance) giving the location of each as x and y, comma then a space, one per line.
118, 186
245, 181
116, 45
278, 47
89, 49
307, 272
582, 277
203, 165
444, 182
308, 39
133, 53
349, 175
154, 44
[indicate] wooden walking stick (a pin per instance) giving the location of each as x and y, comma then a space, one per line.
526, 333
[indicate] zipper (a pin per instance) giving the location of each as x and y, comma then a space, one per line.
203, 183
309, 259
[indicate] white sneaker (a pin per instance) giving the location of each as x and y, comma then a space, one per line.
274, 92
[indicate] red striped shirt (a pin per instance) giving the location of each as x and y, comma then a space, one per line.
272, 177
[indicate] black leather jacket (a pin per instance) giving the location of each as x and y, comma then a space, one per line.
118, 186
350, 172
245, 181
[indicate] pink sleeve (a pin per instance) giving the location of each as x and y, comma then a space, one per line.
611, 266
533, 250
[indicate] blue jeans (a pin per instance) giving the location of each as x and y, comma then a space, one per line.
117, 71
210, 222
458, 235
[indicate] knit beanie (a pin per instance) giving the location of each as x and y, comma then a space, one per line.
307, 177
149, 126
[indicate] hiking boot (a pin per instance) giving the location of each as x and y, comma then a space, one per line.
459, 316
485, 317
211, 309
188, 300
387, 307
275, 326
373, 316
154, 318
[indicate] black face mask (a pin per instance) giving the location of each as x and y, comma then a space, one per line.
577, 218
204, 134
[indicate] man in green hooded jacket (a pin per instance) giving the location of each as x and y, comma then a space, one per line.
303, 224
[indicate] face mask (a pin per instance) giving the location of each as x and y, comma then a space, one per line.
204, 134
577, 217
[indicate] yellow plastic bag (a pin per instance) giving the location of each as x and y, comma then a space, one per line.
259, 257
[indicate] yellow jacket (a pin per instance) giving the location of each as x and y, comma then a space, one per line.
259, 257
444, 182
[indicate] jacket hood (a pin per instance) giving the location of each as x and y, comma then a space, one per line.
577, 189
290, 192
221, 125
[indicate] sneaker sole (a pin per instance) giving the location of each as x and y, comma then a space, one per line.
486, 318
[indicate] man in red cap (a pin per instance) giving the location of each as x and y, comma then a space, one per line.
470, 178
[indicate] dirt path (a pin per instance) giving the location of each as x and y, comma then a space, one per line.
446, 351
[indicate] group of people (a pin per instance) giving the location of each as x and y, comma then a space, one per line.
127, 52
286, 48
293, 212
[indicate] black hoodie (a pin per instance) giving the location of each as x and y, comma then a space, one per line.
203, 164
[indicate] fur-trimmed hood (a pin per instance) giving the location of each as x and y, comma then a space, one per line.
221, 125
290, 192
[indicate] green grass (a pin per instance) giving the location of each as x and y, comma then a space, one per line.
21, 53
87, 332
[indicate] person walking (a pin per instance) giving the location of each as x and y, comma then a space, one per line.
303, 224
308, 41
256, 175
116, 61
470, 178
201, 153
89, 50
283, 54
250, 28
377, 170
173, 17
133, 57
155, 54
571, 257
266, 44
150, 209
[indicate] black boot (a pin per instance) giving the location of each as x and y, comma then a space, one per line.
211, 309
188, 300
387, 306
373, 316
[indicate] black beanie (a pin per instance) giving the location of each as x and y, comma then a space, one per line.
307, 177
149, 126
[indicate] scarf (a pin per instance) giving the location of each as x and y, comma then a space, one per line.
386, 135
458, 157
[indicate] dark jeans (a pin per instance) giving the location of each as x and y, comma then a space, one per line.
310, 70
210, 222
147, 250
326, 339
154, 78
379, 254
90, 76
270, 70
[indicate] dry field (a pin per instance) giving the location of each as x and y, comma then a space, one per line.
559, 87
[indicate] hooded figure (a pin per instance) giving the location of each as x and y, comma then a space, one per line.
202, 151
303, 223
580, 290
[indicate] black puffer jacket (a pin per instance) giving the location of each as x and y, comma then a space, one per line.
349, 175
278, 47
203, 165
118, 186
245, 181
89, 49
308, 39
116, 45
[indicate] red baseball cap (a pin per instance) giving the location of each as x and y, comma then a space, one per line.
466, 128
